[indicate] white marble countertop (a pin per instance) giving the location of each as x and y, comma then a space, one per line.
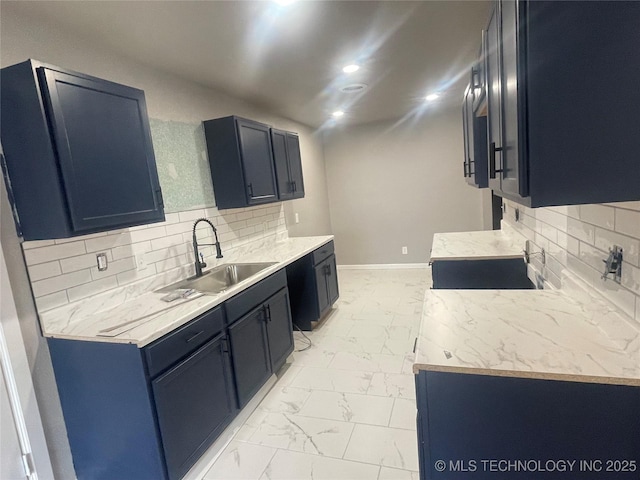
151, 317
526, 333
482, 245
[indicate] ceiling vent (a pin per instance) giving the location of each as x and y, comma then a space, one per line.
353, 88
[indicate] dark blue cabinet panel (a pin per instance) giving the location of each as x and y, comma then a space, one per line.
108, 410
313, 285
279, 329
563, 101
78, 151
250, 353
288, 162
194, 401
241, 160
466, 419
501, 274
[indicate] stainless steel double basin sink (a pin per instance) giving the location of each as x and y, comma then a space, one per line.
220, 278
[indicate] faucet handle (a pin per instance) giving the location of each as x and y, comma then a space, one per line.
202, 264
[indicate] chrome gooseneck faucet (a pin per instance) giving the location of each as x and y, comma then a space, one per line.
199, 260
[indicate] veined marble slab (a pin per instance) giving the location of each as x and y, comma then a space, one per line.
489, 244
528, 334
151, 317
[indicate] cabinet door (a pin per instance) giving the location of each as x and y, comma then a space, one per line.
194, 401
249, 354
322, 287
279, 328
295, 164
281, 159
513, 172
257, 161
104, 148
494, 101
332, 279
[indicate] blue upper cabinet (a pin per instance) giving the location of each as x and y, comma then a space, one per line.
241, 160
79, 157
563, 101
288, 162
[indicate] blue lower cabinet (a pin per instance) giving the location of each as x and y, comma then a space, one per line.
145, 413
195, 402
481, 427
150, 413
108, 410
503, 274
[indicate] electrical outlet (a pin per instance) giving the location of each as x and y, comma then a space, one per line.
103, 263
404, 250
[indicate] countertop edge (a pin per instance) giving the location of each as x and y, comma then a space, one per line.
531, 375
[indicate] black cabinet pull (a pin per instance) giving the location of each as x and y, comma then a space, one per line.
295, 187
250, 187
268, 313
464, 168
492, 159
193, 337
225, 345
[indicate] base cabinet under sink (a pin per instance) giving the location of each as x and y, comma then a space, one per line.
150, 413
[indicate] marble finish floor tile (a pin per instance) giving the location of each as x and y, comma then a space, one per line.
241, 461
404, 414
392, 385
287, 465
345, 408
298, 433
348, 407
387, 473
391, 447
285, 399
367, 362
344, 381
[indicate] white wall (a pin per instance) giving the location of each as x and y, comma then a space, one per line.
168, 98
394, 187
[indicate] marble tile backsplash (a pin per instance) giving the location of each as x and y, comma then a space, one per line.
65, 271
578, 238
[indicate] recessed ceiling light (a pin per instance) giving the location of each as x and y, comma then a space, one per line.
351, 68
338, 113
431, 97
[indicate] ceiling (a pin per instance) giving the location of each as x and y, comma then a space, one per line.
289, 58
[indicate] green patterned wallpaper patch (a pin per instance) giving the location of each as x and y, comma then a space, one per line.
183, 167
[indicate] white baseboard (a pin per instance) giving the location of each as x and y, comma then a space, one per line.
384, 266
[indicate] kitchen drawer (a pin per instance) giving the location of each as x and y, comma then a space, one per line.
323, 252
172, 347
251, 297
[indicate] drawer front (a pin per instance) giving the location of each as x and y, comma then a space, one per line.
172, 347
323, 252
253, 296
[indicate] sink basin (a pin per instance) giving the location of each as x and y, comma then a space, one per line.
220, 278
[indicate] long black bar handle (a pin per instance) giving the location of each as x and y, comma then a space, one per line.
492, 159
